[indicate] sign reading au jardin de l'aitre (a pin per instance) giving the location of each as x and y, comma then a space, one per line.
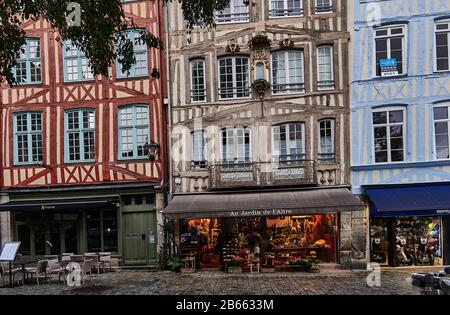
266, 212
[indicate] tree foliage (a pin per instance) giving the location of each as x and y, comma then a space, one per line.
101, 29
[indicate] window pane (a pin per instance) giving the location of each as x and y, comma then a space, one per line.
379, 118
396, 116
94, 235
24, 237
39, 240
441, 113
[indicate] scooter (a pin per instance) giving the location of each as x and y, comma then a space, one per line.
404, 257
425, 252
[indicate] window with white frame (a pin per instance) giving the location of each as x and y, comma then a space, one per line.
80, 135
234, 77
198, 150
27, 138
76, 65
389, 135
134, 131
198, 84
28, 63
326, 140
236, 145
323, 6
282, 8
237, 11
442, 131
390, 43
442, 45
289, 142
325, 76
140, 67
288, 72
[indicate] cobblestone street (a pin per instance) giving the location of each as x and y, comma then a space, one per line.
327, 282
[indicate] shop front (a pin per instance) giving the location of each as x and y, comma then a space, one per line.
116, 219
276, 230
409, 225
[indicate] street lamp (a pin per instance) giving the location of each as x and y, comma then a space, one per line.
152, 150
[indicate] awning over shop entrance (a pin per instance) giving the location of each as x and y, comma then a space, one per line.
262, 203
426, 200
58, 204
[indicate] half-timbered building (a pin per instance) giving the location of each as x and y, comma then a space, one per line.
400, 128
259, 110
75, 175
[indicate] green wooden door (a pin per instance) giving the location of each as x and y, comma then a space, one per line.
139, 237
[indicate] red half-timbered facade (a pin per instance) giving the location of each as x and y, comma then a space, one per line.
53, 97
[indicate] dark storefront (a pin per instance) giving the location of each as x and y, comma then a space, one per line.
281, 228
116, 219
409, 225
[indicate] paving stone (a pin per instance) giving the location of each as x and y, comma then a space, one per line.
129, 282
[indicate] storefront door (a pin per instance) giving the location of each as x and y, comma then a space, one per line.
139, 237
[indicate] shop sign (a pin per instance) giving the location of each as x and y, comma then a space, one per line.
262, 213
388, 67
43, 208
442, 212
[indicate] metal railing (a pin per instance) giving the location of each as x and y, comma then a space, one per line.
252, 174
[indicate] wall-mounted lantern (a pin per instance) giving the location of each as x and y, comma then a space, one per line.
152, 149
260, 64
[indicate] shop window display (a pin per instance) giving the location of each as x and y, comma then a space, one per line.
417, 240
379, 241
275, 243
406, 241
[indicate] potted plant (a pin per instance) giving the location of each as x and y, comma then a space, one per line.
235, 266
174, 263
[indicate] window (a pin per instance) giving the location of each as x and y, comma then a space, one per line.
442, 45
325, 75
134, 131
289, 142
326, 140
236, 12
28, 67
236, 145
324, 6
389, 131
140, 67
441, 131
80, 135
390, 43
198, 150
287, 72
76, 65
28, 138
198, 84
234, 77
280, 8
102, 230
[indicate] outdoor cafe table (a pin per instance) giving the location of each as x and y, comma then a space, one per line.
23, 262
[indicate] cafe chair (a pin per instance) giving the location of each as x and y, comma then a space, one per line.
5, 272
54, 267
87, 269
77, 258
40, 271
65, 257
95, 261
105, 258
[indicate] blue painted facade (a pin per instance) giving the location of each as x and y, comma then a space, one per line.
417, 92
